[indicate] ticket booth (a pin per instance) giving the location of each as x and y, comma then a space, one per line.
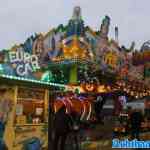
25, 115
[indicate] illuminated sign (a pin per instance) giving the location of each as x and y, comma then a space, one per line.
111, 59
24, 63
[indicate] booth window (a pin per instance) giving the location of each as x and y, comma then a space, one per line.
30, 106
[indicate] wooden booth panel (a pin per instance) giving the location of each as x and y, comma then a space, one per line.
30, 119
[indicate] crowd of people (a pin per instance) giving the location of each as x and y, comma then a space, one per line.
136, 119
64, 124
135, 122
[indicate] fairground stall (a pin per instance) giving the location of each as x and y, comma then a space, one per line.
73, 58
24, 111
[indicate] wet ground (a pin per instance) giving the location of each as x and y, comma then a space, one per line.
106, 144
100, 137
95, 138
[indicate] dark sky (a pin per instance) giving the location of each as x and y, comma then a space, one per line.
21, 18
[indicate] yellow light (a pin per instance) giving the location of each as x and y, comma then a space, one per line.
136, 96
125, 89
102, 89
128, 90
89, 87
132, 93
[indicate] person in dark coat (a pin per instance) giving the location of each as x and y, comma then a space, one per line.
62, 126
3, 145
2, 128
98, 105
75, 117
136, 119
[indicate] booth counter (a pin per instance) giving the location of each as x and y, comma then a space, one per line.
24, 113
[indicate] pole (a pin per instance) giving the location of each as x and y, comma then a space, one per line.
50, 118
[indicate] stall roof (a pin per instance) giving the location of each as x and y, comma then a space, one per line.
7, 79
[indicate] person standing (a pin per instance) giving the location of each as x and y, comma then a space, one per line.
3, 145
2, 126
75, 127
2, 129
98, 105
62, 127
136, 119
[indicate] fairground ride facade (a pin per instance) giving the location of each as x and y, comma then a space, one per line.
72, 58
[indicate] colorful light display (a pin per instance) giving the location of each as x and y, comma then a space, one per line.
77, 54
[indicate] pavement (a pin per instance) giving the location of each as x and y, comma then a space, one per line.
106, 144
100, 137
97, 145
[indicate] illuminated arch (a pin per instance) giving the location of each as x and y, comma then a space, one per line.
145, 46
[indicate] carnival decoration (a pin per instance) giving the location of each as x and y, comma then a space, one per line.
75, 60
77, 54
23, 62
80, 104
140, 58
111, 59
76, 24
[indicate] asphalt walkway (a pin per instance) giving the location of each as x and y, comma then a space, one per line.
106, 144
